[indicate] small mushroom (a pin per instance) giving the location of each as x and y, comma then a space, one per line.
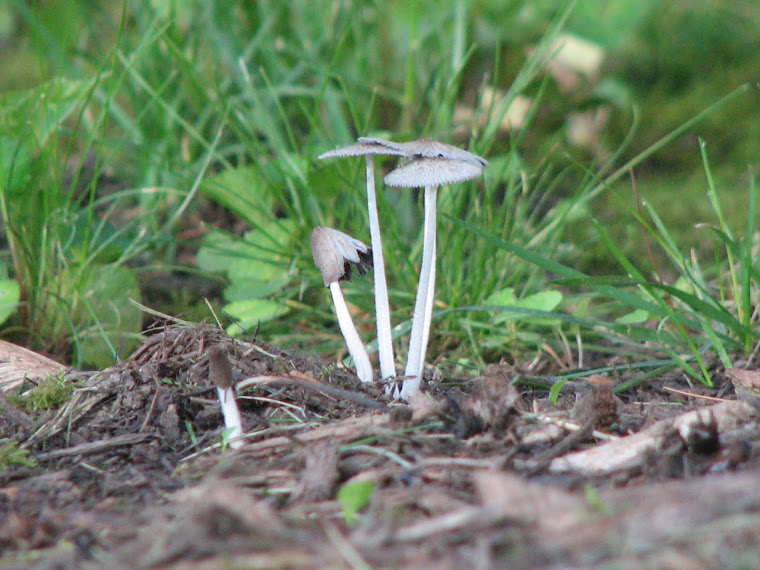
220, 373
428, 172
368, 149
336, 255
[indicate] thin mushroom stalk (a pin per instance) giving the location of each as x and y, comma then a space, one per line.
430, 173
423, 305
382, 305
220, 373
336, 255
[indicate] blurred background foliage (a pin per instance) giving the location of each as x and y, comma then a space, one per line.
186, 106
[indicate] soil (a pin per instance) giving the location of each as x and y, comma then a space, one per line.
134, 471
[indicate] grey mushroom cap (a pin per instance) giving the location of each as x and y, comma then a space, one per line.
362, 148
427, 148
432, 172
390, 145
337, 255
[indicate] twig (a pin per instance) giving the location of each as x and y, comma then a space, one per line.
548, 349
254, 435
564, 445
152, 407
344, 547
279, 403
95, 446
458, 462
312, 385
256, 348
384, 453
570, 426
353, 429
469, 518
693, 395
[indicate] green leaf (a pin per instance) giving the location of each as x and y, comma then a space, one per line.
353, 497
254, 288
256, 268
9, 298
251, 312
555, 390
40, 111
256, 257
634, 317
545, 301
243, 191
504, 297
15, 163
541, 301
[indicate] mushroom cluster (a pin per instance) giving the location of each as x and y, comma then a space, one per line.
430, 164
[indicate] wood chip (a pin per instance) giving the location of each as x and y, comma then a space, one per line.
18, 364
629, 452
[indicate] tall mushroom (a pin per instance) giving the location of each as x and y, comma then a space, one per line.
368, 149
430, 173
336, 255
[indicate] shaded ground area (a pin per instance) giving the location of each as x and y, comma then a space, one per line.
132, 471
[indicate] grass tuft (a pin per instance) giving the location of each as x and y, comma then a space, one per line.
191, 149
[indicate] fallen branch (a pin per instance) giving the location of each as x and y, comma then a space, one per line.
629, 452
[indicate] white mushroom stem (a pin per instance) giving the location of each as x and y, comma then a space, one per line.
423, 305
382, 306
353, 341
231, 415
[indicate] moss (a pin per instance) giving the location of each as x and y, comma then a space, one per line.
50, 393
12, 456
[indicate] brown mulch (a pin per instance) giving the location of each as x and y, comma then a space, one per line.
132, 471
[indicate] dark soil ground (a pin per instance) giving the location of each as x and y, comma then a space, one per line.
132, 473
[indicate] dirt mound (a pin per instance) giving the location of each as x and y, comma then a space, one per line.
133, 471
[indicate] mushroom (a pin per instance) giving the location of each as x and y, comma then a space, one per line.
336, 255
368, 148
220, 373
428, 172
426, 148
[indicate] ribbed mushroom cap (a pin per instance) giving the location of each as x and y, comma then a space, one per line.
390, 145
432, 172
362, 148
336, 254
427, 148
